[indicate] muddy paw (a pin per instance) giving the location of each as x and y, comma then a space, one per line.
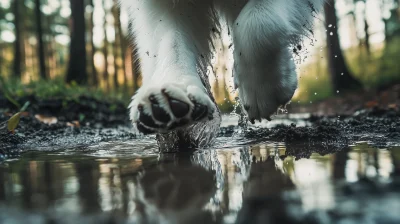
168, 107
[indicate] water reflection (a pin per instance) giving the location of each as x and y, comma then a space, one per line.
250, 184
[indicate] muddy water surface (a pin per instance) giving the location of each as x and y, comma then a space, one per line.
237, 181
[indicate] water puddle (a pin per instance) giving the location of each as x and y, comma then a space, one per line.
235, 182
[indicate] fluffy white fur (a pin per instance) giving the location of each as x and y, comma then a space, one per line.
174, 46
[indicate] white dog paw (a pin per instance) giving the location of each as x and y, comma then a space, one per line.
261, 98
167, 107
262, 104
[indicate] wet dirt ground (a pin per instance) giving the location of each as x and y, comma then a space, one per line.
378, 126
299, 168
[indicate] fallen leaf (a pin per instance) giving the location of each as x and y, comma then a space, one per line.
74, 124
8, 114
13, 122
46, 120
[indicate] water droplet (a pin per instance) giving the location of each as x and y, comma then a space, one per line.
330, 25
310, 101
331, 33
335, 56
315, 93
337, 91
342, 74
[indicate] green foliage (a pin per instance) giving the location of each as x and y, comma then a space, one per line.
13, 122
57, 89
25, 106
314, 82
379, 68
7, 93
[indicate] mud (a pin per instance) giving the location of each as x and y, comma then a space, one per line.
102, 121
79, 123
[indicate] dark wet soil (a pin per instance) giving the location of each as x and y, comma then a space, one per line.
79, 122
104, 121
326, 134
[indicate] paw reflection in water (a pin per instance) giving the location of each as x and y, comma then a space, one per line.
256, 184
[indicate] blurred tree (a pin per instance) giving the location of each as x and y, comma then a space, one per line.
115, 57
339, 160
26, 176
94, 80
88, 177
392, 24
49, 178
52, 20
2, 15
105, 49
339, 72
18, 43
39, 30
77, 57
118, 45
366, 31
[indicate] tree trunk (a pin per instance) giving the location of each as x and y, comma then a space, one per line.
116, 44
120, 36
339, 72
77, 62
17, 70
116, 67
88, 178
1, 53
105, 50
366, 28
50, 48
398, 9
39, 30
95, 80
339, 165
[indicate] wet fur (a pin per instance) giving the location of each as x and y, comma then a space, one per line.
174, 39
